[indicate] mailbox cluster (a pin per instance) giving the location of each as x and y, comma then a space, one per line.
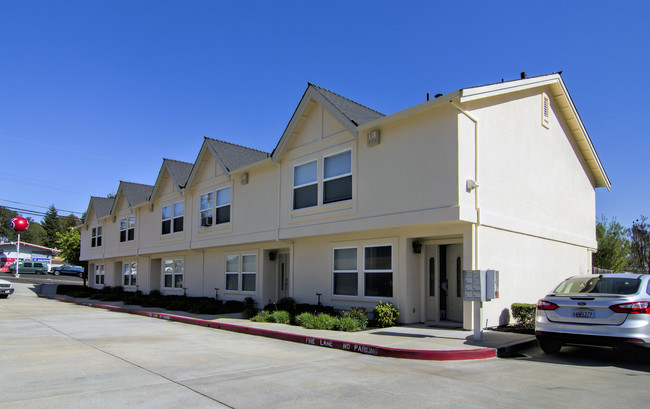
480, 285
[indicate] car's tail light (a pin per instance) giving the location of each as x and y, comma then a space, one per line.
545, 305
639, 307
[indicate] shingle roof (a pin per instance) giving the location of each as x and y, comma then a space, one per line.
136, 193
355, 112
235, 156
101, 205
179, 171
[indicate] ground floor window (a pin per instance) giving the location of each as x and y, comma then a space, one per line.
241, 272
100, 271
173, 270
130, 272
376, 279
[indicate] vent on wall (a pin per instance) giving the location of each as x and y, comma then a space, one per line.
373, 137
546, 110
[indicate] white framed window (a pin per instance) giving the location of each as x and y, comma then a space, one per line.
129, 273
173, 270
345, 271
241, 272
172, 218
205, 209
96, 236
222, 209
378, 271
337, 177
100, 272
305, 185
127, 229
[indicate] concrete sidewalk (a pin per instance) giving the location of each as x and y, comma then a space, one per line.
407, 341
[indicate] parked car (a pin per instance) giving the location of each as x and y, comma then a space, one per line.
5, 288
608, 309
28, 267
68, 270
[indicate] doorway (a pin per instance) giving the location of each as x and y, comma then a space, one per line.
443, 283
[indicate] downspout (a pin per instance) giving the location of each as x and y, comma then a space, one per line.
278, 210
476, 175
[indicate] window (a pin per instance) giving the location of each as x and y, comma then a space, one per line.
247, 270
223, 206
210, 208
130, 273
345, 271
378, 271
337, 177
173, 273
305, 185
205, 209
127, 229
172, 218
99, 274
96, 236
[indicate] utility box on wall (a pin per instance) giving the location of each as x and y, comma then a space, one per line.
480, 285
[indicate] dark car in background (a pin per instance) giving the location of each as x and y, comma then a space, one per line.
607, 309
68, 270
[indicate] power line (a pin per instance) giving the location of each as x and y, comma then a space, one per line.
43, 207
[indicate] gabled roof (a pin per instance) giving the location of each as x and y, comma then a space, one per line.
178, 171
559, 94
229, 156
349, 113
134, 193
101, 205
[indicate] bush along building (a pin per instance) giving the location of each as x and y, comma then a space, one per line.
354, 207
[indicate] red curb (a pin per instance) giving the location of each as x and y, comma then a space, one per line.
376, 350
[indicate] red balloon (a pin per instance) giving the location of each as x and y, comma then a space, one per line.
19, 224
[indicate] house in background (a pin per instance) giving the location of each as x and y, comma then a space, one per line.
354, 207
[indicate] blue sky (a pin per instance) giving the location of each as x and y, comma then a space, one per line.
94, 92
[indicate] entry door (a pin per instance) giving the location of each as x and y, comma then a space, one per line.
283, 275
431, 286
454, 270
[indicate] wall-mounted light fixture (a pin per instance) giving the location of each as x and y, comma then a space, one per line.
244, 178
417, 247
373, 137
471, 185
272, 255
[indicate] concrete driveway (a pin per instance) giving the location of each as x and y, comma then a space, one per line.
61, 355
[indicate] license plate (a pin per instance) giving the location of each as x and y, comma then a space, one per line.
583, 313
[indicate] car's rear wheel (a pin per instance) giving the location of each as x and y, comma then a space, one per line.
550, 346
57, 272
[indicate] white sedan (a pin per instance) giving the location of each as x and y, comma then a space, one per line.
5, 288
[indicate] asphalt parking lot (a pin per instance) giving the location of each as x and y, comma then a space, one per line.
55, 354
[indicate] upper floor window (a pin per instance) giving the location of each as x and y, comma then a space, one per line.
305, 185
336, 182
96, 236
337, 177
172, 218
127, 229
215, 211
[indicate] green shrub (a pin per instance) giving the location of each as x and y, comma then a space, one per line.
349, 324
281, 317
326, 321
249, 310
359, 314
523, 313
306, 320
263, 316
385, 314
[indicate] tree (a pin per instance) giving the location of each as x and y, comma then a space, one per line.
613, 245
68, 221
52, 226
640, 247
69, 244
35, 234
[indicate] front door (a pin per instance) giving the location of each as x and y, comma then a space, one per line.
454, 277
431, 282
283, 275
